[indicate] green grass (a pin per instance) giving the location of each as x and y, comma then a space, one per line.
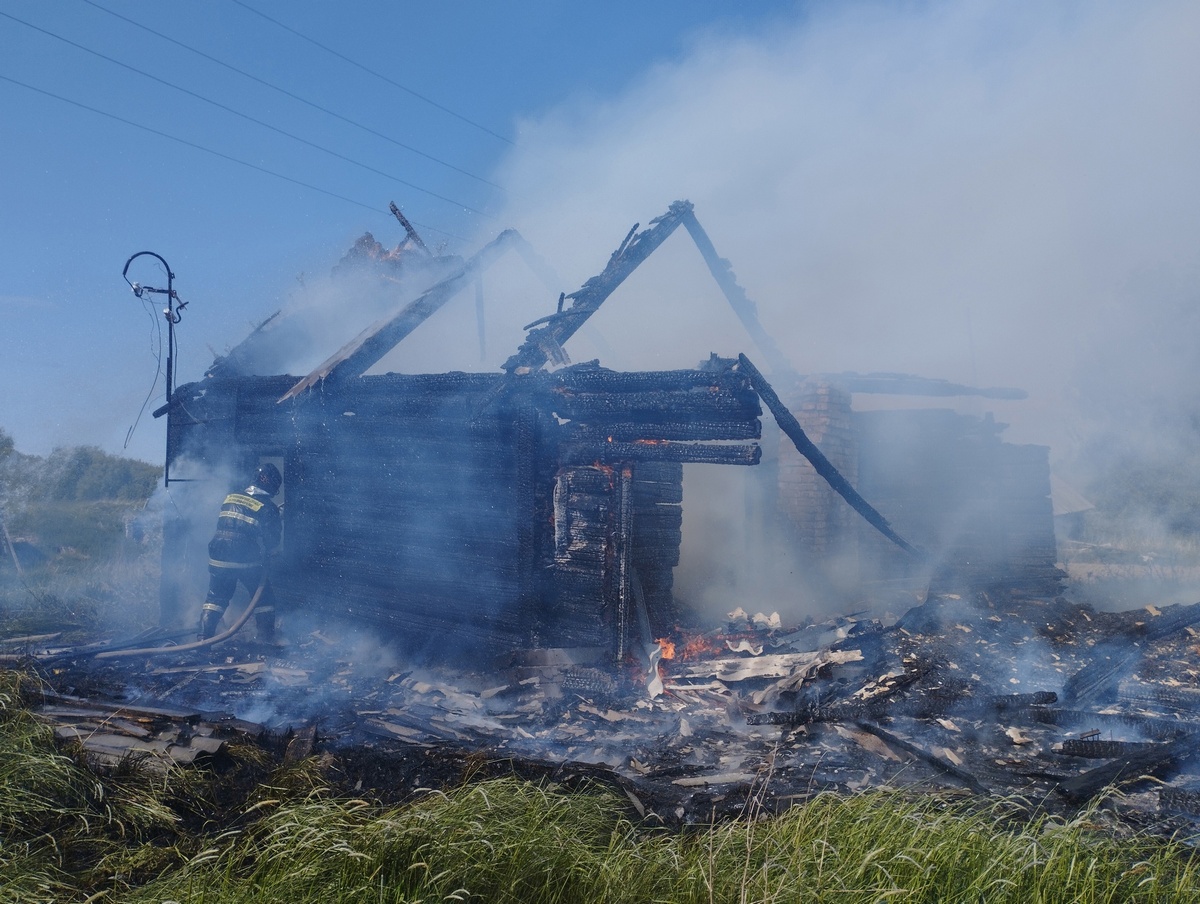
82, 598
507, 841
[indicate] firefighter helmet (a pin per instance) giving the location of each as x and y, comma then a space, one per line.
269, 478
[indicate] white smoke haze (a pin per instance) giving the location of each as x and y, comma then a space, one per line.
998, 194
974, 191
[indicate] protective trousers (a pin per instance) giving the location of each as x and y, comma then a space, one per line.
222, 583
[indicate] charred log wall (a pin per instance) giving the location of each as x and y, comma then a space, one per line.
403, 508
441, 508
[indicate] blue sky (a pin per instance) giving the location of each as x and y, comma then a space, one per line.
1000, 193
83, 191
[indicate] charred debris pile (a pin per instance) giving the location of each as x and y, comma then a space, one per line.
1045, 699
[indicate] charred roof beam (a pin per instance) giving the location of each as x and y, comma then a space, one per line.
369, 347
633, 250
533, 353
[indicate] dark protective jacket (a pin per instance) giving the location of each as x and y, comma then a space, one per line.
248, 529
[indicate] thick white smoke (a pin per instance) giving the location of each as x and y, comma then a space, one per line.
990, 192
994, 193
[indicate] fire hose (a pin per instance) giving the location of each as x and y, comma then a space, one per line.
196, 644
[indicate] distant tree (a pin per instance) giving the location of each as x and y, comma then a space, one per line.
77, 497
87, 473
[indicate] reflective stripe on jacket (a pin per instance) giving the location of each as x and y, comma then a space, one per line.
248, 528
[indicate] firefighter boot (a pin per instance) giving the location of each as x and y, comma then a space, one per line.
210, 617
264, 623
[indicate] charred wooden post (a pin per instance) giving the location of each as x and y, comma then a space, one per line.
623, 541
586, 301
410, 231
789, 425
743, 307
526, 479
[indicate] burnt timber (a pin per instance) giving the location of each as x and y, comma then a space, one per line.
498, 527
515, 508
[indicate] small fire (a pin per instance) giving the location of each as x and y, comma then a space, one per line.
667, 647
697, 647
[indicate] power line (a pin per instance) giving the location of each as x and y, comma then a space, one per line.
215, 153
378, 75
296, 97
245, 116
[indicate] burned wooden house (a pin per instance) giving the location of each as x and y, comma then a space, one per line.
480, 511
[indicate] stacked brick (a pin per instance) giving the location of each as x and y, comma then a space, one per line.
821, 521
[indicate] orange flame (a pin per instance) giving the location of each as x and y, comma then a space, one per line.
698, 646
667, 647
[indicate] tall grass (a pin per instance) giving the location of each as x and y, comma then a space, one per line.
62, 824
508, 841
82, 597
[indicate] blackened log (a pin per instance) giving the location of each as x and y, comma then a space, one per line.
1173, 618
658, 517
650, 493
1098, 680
689, 430
1130, 768
1160, 729
701, 453
584, 378
658, 473
413, 235
809, 714
664, 537
656, 495
789, 425
658, 406
136, 713
778, 718
656, 557
1101, 750
937, 762
1176, 700
1032, 715
1020, 701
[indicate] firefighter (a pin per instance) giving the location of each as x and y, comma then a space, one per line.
248, 530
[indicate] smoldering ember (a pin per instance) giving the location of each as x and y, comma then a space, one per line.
477, 574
